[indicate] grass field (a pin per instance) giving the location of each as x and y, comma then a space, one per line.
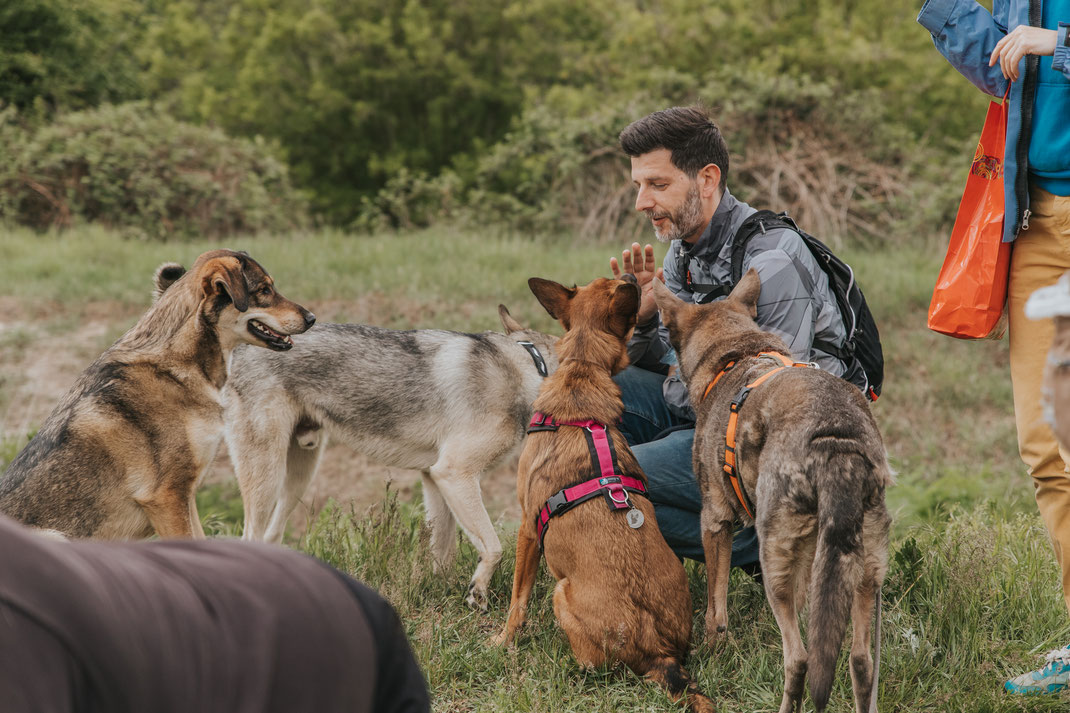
972, 593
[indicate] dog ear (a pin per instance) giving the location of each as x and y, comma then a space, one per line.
668, 303
166, 275
555, 298
746, 292
225, 274
510, 324
624, 306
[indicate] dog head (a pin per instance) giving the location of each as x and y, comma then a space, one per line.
700, 333
599, 317
237, 297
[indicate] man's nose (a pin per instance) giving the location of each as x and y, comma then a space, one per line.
643, 200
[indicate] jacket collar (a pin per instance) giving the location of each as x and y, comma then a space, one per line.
726, 220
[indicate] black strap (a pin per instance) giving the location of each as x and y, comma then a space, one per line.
536, 357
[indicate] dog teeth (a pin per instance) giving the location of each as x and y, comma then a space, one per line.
268, 330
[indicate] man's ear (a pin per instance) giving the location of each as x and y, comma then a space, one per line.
225, 275
555, 298
710, 177
510, 324
746, 292
624, 306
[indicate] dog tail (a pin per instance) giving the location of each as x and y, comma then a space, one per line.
669, 674
837, 568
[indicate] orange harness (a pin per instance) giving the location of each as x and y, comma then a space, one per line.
730, 463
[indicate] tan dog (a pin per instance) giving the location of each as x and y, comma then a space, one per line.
812, 469
121, 455
621, 594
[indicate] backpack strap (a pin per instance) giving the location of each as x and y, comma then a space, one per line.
760, 222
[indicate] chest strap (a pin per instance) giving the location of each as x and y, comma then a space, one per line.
609, 483
731, 463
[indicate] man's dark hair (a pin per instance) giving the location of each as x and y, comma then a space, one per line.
686, 131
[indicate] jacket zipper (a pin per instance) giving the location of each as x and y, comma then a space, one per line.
1029, 88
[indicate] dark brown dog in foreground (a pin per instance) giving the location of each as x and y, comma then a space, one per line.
121, 455
621, 594
814, 470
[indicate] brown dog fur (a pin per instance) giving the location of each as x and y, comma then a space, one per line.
621, 594
121, 455
813, 463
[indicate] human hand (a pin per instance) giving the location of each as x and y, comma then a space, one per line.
1020, 41
640, 262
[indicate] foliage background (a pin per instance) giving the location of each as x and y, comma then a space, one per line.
403, 113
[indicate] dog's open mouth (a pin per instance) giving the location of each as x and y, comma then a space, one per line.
271, 338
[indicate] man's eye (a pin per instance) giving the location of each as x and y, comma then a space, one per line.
658, 186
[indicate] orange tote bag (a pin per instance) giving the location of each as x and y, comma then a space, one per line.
972, 287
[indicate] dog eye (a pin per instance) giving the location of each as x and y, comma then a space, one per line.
265, 291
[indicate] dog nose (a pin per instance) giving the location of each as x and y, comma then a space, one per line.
310, 319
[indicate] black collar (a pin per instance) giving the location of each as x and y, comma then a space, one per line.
536, 357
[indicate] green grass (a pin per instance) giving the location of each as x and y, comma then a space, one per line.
972, 596
969, 601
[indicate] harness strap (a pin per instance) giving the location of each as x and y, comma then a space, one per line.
536, 357
717, 378
730, 461
609, 482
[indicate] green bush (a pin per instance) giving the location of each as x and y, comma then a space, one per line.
402, 112
130, 167
67, 54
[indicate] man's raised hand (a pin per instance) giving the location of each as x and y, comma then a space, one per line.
640, 262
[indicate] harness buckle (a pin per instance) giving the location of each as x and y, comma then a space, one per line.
616, 489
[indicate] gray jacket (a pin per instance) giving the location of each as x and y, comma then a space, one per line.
796, 303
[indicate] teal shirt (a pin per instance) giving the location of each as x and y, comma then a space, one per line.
1049, 147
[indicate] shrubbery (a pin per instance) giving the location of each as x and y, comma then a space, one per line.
403, 113
67, 54
400, 113
131, 167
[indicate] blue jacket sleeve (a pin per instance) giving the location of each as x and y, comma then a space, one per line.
1061, 61
966, 33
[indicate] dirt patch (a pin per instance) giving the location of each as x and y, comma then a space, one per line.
353, 479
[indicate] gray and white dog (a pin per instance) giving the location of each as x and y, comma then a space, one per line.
449, 404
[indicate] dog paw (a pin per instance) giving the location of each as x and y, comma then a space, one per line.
477, 597
498, 641
715, 633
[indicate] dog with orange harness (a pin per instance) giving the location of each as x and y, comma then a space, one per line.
795, 451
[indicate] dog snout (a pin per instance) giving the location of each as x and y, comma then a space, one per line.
310, 318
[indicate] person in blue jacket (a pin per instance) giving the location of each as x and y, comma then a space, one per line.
1025, 43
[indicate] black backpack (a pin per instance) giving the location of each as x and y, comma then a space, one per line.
863, 342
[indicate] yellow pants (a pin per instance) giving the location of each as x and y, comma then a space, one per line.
1040, 256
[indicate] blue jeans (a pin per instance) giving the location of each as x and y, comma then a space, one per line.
661, 442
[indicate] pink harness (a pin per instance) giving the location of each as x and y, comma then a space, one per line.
609, 483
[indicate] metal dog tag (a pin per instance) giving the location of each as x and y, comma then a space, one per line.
635, 518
